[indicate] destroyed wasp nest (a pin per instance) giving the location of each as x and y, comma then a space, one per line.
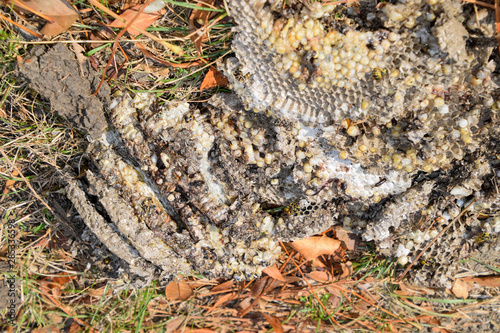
382, 118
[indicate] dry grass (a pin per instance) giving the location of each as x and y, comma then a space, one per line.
354, 291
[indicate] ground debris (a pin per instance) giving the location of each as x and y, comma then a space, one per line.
53, 73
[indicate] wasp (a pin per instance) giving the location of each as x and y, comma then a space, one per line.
379, 73
482, 238
427, 262
292, 209
188, 118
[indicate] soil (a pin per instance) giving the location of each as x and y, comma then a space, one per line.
55, 74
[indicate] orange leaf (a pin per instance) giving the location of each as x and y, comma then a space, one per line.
213, 78
274, 322
79, 52
405, 291
197, 21
483, 281
332, 289
178, 291
62, 280
258, 287
226, 286
313, 247
143, 21
74, 328
334, 301
99, 292
175, 323
346, 269
348, 238
223, 299
274, 272
59, 13
320, 276
460, 289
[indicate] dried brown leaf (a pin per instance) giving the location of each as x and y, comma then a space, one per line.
492, 281
317, 264
79, 52
143, 21
198, 19
62, 280
56, 292
460, 289
225, 286
321, 276
430, 320
313, 247
405, 291
214, 78
334, 301
332, 289
348, 238
174, 324
244, 304
346, 269
99, 292
274, 322
411, 290
159, 71
60, 12
201, 283
178, 291
258, 287
74, 328
224, 298
362, 305
274, 272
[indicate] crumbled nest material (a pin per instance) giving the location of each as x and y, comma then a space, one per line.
382, 119
69, 87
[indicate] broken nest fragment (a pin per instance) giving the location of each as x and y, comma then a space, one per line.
384, 119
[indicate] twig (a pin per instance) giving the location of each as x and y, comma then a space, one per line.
36, 34
480, 3
338, 2
434, 240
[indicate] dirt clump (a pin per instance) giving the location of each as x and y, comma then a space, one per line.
68, 85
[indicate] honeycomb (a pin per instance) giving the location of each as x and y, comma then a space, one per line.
381, 118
